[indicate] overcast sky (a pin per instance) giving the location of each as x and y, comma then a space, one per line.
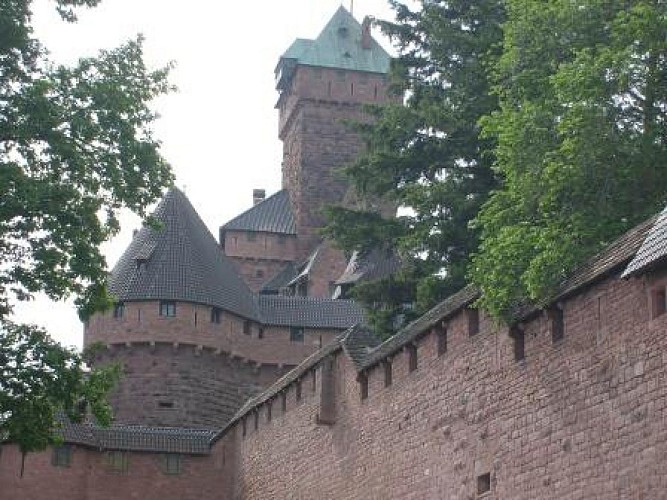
219, 130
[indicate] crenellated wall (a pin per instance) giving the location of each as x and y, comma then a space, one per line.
578, 418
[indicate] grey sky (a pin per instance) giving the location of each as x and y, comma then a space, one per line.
219, 130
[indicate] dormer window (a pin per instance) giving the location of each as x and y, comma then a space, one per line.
167, 308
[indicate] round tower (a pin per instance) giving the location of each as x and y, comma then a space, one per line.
193, 340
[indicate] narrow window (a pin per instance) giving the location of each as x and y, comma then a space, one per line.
260, 333
557, 324
412, 357
473, 321
195, 318
329, 89
313, 378
518, 342
246, 327
167, 308
388, 375
351, 88
283, 402
119, 310
298, 390
441, 338
658, 302
62, 456
172, 464
483, 483
375, 93
296, 334
117, 461
363, 385
216, 315
256, 419
269, 410
244, 427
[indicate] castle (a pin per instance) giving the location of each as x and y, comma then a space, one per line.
243, 379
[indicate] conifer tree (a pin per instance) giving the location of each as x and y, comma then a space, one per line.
426, 154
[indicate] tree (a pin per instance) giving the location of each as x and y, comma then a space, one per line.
75, 147
426, 153
581, 136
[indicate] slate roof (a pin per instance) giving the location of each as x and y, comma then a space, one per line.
373, 265
337, 46
180, 260
139, 438
653, 248
273, 215
309, 312
280, 280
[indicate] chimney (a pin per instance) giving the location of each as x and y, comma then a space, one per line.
258, 196
366, 33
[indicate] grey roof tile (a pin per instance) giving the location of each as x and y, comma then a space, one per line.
180, 260
273, 215
280, 280
359, 342
373, 265
139, 438
653, 249
309, 312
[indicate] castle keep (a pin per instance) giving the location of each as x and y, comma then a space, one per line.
244, 380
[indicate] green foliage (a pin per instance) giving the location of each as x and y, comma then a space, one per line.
38, 379
581, 136
426, 154
76, 146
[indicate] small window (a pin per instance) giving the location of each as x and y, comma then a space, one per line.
172, 464
557, 324
298, 390
256, 419
119, 310
412, 357
165, 404
483, 483
658, 302
518, 342
473, 321
247, 327
296, 334
167, 308
388, 373
216, 315
441, 338
251, 236
117, 461
62, 456
363, 386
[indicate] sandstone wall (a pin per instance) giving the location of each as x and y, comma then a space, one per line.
581, 418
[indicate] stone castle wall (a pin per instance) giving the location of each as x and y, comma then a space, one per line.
581, 418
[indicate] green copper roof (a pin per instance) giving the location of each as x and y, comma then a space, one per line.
339, 46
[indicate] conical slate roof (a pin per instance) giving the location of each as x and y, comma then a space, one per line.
339, 46
180, 261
